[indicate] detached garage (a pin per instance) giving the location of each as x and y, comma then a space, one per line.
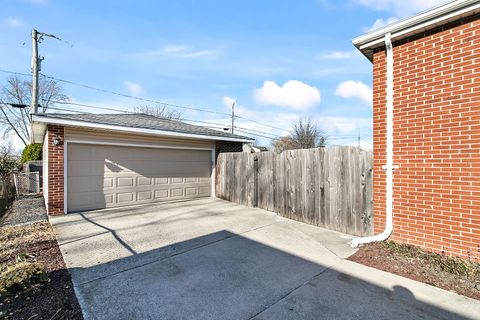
97, 161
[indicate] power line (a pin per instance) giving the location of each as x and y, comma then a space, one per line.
60, 109
157, 101
133, 97
124, 111
143, 99
263, 124
90, 106
242, 129
16, 73
256, 134
253, 130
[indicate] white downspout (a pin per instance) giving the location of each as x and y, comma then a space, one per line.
389, 166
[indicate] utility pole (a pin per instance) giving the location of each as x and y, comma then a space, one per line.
36, 64
35, 69
233, 115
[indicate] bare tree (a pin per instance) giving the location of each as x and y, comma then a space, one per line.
17, 91
305, 135
159, 111
283, 143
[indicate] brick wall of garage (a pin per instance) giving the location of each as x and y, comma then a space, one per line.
436, 140
55, 195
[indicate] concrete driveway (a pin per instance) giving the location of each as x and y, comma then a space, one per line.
213, 259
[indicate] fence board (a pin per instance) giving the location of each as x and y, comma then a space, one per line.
328, 187
7, 193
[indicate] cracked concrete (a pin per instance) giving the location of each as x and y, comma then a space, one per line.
212, 259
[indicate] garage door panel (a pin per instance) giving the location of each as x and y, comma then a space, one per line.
161, 194
144, 195
143, 181
152, 169
86, 168
91, 200
191, 191
161, 181
176, 192
125, 197
110, 176
125, 182
108, 182
83, 184
204, 191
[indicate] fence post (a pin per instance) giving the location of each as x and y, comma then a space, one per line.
255, 181
37, 175
15, 182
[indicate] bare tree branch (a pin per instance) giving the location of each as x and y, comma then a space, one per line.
159, 111
11, 126
305, 135
19, 91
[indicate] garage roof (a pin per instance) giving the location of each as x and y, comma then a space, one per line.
134, 123
423, 22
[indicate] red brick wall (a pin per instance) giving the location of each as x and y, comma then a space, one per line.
436, 140
55, 177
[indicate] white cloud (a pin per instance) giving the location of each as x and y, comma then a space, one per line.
379, 23
337, 55
401, 8
134, 88
336, 126
292, 94
180, 51
355, 89
13, 23
228, 101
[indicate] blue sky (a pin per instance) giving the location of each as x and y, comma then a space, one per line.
279, 60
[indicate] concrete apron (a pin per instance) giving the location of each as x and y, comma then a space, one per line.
212, 259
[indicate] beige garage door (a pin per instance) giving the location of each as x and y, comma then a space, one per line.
111, 176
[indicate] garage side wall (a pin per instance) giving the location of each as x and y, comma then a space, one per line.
436, 140
55, 170
45, 169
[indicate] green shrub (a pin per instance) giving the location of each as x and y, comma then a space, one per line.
7, 164
20, 277
32, 152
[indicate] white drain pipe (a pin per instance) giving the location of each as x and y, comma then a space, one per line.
389, 167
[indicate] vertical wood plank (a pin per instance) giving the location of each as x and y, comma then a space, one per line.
328, 187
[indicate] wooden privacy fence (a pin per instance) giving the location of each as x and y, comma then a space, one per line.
7, 193
327, 187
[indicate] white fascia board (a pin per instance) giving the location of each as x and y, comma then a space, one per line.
85, 124
418, 23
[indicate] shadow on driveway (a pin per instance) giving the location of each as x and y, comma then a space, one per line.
224, 275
